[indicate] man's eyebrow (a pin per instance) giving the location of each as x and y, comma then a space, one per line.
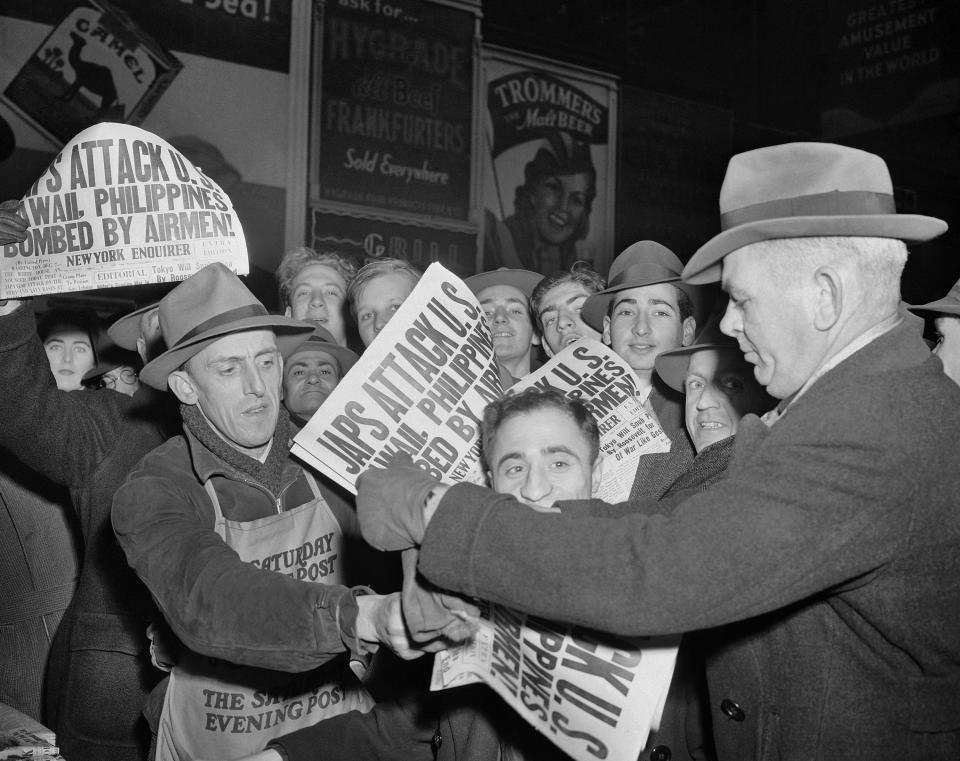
662, 302
512, 299
509, 456
625, 300
559, 449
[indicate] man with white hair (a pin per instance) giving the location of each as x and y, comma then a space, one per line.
825, 562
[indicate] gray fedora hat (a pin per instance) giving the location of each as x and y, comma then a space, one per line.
949, 304
125, 331
206, 306
321, 340
672, 365
645, 262
523, 280
802, 190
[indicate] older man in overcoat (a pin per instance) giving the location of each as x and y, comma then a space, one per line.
827, 561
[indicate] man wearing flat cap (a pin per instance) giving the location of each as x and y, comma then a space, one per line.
239, 545
945, 313
825, 561
311, 371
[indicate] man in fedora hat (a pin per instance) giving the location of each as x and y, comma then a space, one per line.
96, 680
644, 311
946, 321
311, 371
504, 296
824, 563
240, 546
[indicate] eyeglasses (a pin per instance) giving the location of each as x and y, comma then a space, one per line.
126, 375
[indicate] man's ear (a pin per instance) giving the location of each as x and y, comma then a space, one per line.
142, 349
182, 386
688, 331
829, 298
287, 312
535, 341
605, 334
596, 474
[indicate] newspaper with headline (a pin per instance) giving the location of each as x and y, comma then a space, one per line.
119, 206
421, 387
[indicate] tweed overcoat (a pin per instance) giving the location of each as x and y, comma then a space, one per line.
829, 555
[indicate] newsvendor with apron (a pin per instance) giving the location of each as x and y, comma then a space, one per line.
240, 545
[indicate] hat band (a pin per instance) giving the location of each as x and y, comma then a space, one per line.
224, 318
833, 204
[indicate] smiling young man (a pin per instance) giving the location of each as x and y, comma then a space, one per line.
504, 296
646, 310
313, 286
377, 292
241, 546
557, 302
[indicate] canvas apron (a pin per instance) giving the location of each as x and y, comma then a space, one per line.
218, 710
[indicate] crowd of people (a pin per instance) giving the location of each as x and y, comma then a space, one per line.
174, 575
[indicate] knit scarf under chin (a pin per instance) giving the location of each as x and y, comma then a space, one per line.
269, 473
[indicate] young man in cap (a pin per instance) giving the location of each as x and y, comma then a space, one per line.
946, 320
313, 286
644, 311
377, 292
557, 302
504, 296
98, 679
311, 372
239, 545
825, 561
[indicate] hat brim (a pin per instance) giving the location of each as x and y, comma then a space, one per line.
941, 306
523, 280
290, 333
705, 265
345, 358
596, 307
125, 331
672, 365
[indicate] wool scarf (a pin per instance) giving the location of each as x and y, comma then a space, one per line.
269, 473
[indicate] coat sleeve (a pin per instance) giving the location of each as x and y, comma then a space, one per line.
831, 506
61, 435
215, 603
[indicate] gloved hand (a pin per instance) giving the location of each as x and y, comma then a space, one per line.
434, 619
390, 504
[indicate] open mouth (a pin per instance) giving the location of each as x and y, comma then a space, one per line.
569, 339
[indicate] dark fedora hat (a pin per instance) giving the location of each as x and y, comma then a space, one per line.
645, 262
802, 190
672, 365
125, 331
949, 304
321, 340
523, 280
206, 306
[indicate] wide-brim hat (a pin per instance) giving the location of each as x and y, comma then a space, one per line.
672, 365
802, 190
206, 306
523, 280
949, 304
645, 262
125, 331
322, 340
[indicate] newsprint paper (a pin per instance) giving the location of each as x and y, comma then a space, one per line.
421, 387
119, 206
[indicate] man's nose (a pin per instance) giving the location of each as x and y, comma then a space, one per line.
499, 315
641, 325
565, 321
253, 382
731, 324
536, 486
708, 397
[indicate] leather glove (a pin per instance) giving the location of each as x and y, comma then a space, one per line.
390, 504
434, 619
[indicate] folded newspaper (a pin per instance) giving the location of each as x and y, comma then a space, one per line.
421, 387
119, 206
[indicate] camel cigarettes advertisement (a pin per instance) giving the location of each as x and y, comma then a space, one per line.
119, 206
95, 65
598, 376
419, 388
593, 696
